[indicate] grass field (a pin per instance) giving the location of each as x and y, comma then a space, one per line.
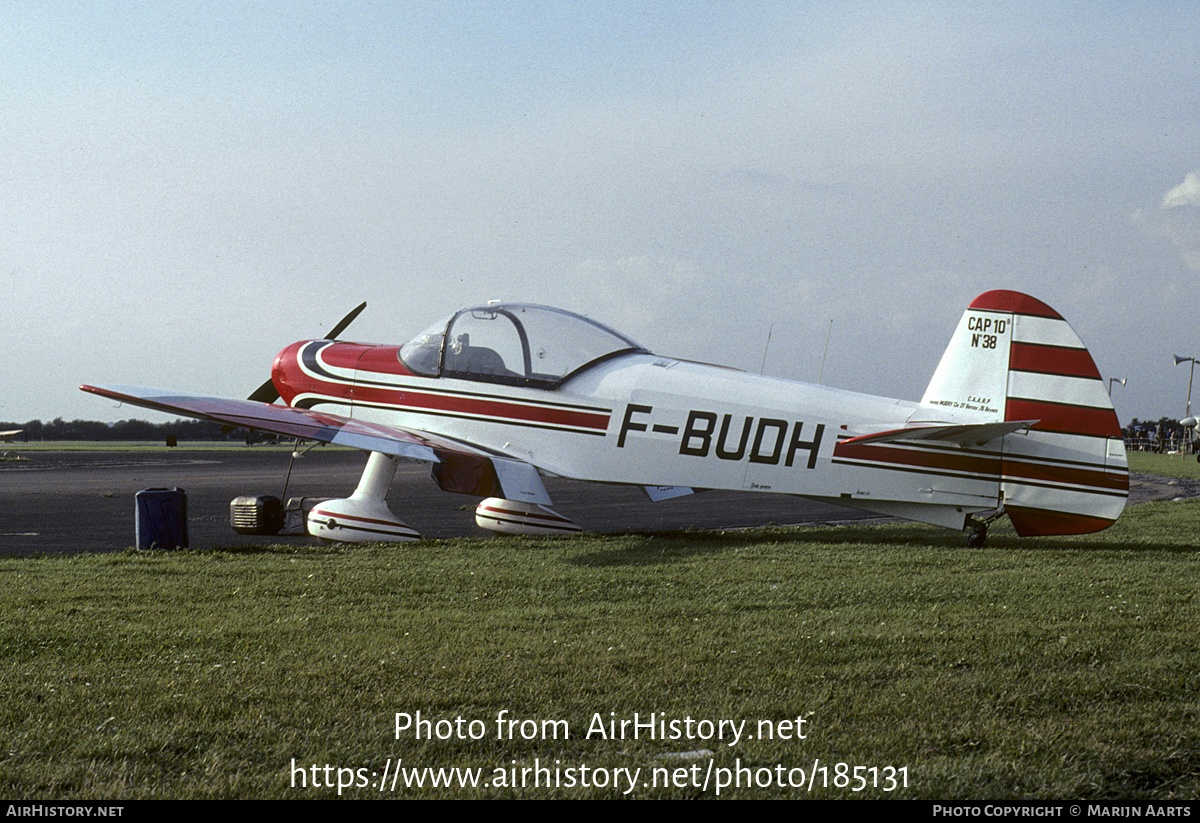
1168, 465
1062, 668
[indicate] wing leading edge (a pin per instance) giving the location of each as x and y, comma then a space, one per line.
458, 467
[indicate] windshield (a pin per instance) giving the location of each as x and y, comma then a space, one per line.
517, 344
423, 354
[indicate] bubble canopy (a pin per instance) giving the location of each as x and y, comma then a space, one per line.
517, 344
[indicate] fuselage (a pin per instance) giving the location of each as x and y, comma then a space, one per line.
644, 419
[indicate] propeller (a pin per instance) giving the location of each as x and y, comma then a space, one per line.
267, 393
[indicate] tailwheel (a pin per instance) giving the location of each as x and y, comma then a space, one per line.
979, 529
978, 536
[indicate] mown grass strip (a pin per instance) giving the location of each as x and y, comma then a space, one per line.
1166, 465
1043, 668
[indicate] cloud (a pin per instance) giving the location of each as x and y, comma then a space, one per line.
1175, 224
1185, 194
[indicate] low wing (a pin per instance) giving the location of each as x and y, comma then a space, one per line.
457, 466
973, 433
302, 423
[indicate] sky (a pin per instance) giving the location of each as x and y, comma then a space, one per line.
187, 188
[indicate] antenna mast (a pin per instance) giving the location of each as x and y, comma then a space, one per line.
762, 368
821, 373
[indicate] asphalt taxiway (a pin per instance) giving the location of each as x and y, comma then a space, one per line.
54, 502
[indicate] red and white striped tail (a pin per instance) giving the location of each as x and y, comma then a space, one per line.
1015, 358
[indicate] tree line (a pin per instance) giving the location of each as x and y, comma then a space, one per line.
58, 429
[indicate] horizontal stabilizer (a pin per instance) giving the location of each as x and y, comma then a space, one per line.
973, 433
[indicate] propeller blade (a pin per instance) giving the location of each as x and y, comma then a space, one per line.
346, 321
266, 393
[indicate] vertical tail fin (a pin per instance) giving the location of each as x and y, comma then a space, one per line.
1015, 358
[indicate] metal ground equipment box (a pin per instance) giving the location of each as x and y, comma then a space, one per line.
261, 514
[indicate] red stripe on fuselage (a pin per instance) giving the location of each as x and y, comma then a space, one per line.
411, 400
381, 364
984, 467
936, 461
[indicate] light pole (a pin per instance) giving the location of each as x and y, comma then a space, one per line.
1112, 380
1178, 360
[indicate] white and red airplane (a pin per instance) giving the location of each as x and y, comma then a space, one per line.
1015, 421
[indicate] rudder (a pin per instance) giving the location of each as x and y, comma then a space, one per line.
1014, 358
